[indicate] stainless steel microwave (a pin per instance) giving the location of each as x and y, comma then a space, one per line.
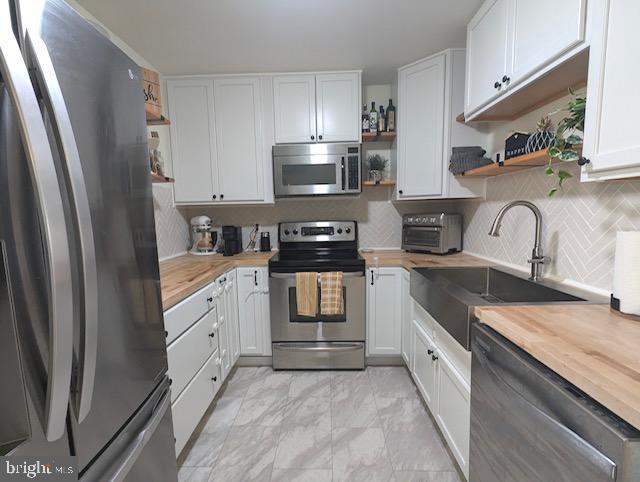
316, 169
432, 233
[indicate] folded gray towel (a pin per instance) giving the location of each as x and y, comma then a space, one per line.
467, 158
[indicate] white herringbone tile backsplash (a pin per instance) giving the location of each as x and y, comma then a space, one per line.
579, 223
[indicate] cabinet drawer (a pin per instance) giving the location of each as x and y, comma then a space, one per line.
189, 351
181, 316
193, 402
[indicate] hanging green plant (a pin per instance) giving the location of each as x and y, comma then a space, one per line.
567, 138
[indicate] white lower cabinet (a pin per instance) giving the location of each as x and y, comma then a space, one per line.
441, 368
407, 330
424, 368
384, 306
193, 402
253, 311
202, 348
453, 412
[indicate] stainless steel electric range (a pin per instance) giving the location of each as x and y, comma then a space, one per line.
320, 342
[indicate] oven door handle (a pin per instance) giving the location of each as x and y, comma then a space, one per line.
306, 347
358, 274
424, 228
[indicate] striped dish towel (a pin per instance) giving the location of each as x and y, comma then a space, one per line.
307, 293
331, 300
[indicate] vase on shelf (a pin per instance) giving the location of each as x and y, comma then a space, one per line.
542, 138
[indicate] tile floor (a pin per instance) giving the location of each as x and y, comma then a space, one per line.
317, 426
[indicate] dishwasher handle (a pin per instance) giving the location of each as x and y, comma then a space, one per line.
581, 446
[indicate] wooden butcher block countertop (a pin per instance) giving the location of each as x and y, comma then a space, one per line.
399, 258
184, 275
593, 347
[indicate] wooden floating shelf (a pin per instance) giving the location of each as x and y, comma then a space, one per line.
519, 163
384, 182
379, 137
163, 121
157, 178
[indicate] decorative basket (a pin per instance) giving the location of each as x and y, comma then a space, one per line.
539, 141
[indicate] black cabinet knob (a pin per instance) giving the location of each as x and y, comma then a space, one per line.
434, 358
429, 352
212, 334
506, 79
221, 196
166, 334
214, 196
320, 137
313, 138
497, 85
583, 161
400, 191
210, 299
215, 379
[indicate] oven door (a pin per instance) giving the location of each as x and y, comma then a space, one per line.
428, 238
287, 325
309, 175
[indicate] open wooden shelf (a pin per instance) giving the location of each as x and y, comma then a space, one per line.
378, 137
384, 182
163, 121
157, 178
519, 163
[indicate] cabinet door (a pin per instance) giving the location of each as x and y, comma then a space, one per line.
488, 49
544, 30
193, 144
224, 348
406, 318
384, 311
421, 128
338, 107
253, 312
611, 140
240, 166
231, 307
454, 411
424, 369
294, 98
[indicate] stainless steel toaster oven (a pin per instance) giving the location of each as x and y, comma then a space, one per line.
432, 233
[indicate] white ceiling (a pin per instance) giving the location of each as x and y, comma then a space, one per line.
237, 36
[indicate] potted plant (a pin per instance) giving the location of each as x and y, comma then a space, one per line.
376, 165
542, 138
567, 139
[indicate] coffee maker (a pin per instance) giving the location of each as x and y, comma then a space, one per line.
232, 237
203, 236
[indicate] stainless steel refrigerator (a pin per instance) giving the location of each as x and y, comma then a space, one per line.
83, 360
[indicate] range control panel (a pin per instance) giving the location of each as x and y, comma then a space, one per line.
318, 231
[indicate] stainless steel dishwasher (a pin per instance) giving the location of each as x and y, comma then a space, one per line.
530, 424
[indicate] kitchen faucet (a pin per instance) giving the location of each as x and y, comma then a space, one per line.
537, 258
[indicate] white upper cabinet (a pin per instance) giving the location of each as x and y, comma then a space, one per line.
430, 94
317, 108
512, 45
238, 107
421, 123
221, 138
294, 98
338, 107
193, 146
543, 30
488, 48
611, 141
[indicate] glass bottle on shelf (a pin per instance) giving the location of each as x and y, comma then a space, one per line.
373, 119
391, 117
381, 120
365, 118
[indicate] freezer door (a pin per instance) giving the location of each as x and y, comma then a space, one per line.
144, 450
102, 94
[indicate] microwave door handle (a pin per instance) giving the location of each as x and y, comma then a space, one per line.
39, 158
72, 166
344, 174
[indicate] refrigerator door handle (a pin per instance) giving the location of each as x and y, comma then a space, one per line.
72, 166
56, 243
133, 451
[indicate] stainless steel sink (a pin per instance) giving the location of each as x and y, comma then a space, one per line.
451, 294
